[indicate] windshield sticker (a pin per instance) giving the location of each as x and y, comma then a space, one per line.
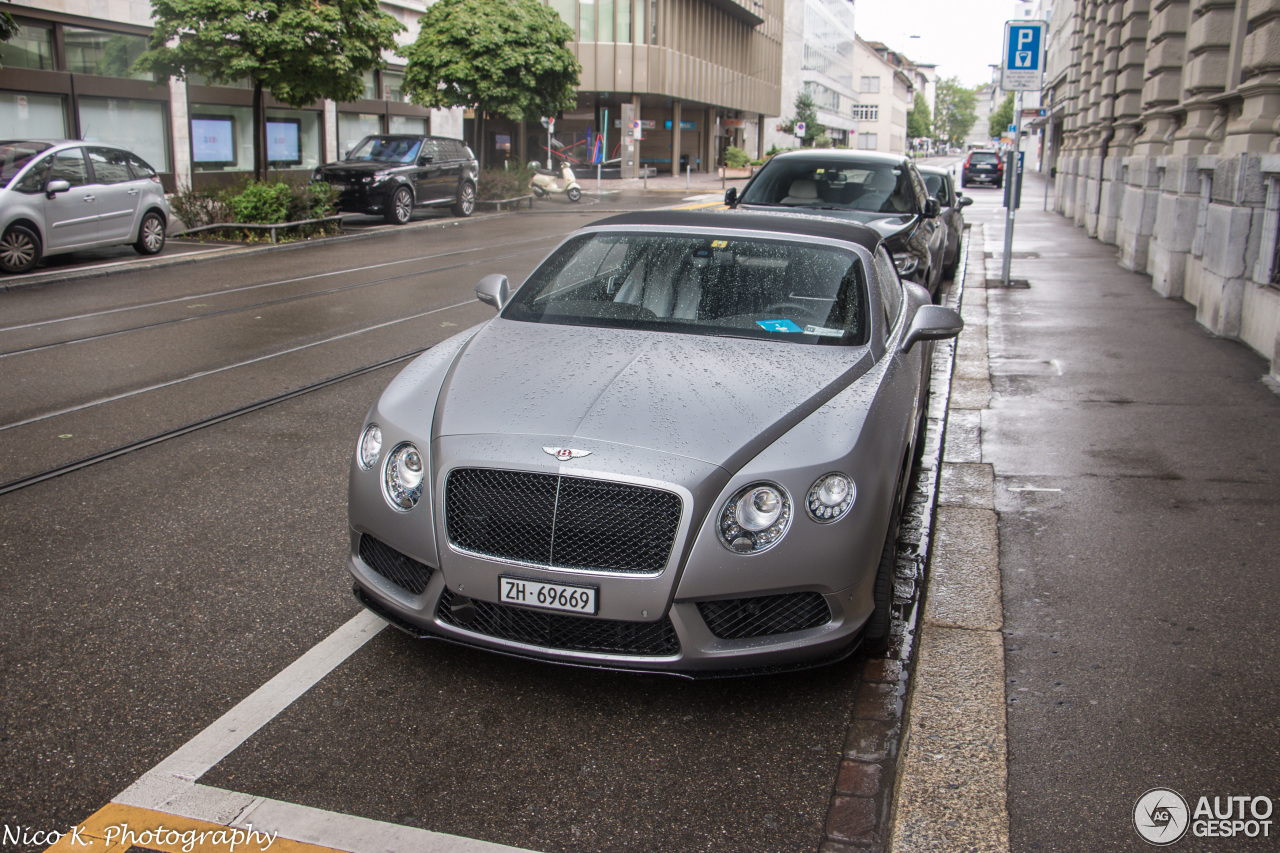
824, 332
778, 325
719, 244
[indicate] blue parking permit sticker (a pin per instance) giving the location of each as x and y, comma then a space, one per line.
778, 326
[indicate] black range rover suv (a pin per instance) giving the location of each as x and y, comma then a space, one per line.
392, 174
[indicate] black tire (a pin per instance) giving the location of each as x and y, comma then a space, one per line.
400, 208
19, 249
150, 235
466, 203
574, 194
538, 192
878, 630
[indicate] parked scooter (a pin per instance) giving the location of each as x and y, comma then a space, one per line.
544, 182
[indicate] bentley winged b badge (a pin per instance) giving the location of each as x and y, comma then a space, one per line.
564, 454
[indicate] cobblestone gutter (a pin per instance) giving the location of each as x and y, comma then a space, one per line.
863, 798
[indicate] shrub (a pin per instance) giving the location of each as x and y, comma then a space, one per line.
311, 201
262, 204
494, 184
736, 158
197, 208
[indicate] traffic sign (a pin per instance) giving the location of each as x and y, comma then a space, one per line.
637, 130
799, 129
549, 123
1022, 66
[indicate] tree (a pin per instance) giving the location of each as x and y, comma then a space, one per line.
505, 57
1001, 118
919, 121
807, 112
955, 111
8, 26
298, 50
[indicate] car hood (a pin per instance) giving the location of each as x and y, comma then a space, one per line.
716, 400
361, 168
894, 228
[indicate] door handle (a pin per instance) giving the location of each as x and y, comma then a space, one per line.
133, 191
90, 198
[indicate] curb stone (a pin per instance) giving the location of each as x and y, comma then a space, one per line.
861, 807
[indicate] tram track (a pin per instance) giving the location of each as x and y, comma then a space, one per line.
253, 305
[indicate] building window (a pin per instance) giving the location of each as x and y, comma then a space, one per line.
409, 124
136, 125
586, 20
823, 98
222, 138
370, 90
103, 53
392, 87
352, 127
33, 116
32, 47
867, 141
866, 112
871, 85
567, 10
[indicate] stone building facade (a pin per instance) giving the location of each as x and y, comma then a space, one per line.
1170, 149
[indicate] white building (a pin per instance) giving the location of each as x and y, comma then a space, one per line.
817, 59
887, 83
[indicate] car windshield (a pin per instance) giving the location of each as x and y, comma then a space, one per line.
834, 184
983, 158
731, 286
386, 149
14, 156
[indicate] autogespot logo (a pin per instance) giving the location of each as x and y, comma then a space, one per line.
1161, 816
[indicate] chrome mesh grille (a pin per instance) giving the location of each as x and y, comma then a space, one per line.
564, 522
764, 616
405, 572
558, 631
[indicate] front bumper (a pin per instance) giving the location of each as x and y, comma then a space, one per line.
741, 635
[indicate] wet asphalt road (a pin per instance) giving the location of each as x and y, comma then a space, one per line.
147, 594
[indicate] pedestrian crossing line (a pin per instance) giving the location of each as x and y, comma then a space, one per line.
117, 828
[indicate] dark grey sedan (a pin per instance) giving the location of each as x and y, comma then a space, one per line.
941, 185
681, 446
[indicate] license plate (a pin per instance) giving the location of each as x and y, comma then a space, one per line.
548, 596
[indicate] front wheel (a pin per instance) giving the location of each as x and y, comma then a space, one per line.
150, 235
401, 209
575, 194
466, 203
876, 633
19, 249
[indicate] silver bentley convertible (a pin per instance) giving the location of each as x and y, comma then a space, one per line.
680, 446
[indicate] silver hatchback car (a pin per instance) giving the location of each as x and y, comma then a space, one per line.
59, 196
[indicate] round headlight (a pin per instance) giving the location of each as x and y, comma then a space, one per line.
905, 262
370, 446
830, 497
755, 518
402, 477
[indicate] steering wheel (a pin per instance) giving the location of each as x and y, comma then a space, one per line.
790, 307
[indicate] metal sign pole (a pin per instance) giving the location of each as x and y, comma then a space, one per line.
1014, 177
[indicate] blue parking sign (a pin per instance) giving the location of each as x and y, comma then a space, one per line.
1023, 65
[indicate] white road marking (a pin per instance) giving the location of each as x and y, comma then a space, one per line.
1031, 489
171, 786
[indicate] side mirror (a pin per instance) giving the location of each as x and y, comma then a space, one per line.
932, 323
54, 187
494, 290
731, 196
425, 159
931, 208
963, 201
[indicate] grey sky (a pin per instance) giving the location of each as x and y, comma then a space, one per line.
961, 37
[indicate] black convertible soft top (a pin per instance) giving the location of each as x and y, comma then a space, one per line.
789, 222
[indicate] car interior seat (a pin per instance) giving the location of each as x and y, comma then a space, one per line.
801, 191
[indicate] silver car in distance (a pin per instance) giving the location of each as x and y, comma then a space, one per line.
681, 446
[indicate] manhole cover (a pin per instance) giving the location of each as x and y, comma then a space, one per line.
1014, 284
1017, 256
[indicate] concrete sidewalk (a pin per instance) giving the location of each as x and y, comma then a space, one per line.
1125, 460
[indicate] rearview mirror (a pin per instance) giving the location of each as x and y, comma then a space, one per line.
932, 323
54, 187
494, 290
